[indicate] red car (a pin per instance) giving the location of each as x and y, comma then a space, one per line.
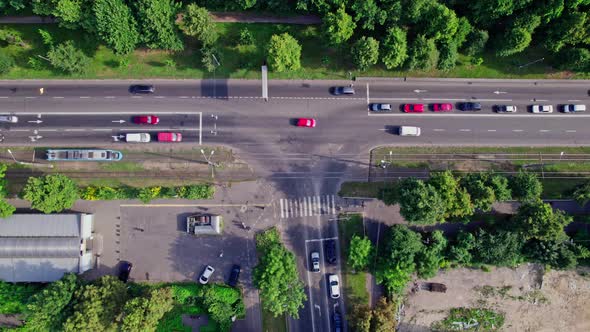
146, 119
169, 137
414, 108
442, 107
303, 122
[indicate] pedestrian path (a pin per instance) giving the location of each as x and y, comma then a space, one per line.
307, 206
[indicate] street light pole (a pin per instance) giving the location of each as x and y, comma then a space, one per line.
209, 162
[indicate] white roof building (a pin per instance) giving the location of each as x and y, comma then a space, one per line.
42, 247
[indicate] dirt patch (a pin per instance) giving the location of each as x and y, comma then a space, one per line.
531, 299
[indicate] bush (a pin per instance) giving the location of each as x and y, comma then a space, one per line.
148, 193
14, 297
6, 63
105, 193
68, 58
196, 192
246, 37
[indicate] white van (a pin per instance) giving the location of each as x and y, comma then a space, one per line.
409, 131
574, 108
137, 138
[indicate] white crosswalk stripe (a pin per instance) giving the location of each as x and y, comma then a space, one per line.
307, 206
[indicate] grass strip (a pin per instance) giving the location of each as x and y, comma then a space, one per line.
353, 282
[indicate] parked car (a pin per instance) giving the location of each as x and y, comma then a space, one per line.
337, 318
469, 106
505, 108
414, 108
342, 90
542, 108
8, 118
206, 275
334, 282
305, 122
442, 107
141, 88
125, 271
146, 119
169, 137
409, 131
234, 276
330, 251
574, 108
315, 261
138, 138
380, 107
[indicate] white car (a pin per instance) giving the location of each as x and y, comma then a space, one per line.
206, 275
334, 286
409, 131
506, 109
542, 108
8, 118
315, 261
574, 108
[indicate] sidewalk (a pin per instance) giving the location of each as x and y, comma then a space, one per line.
236, 17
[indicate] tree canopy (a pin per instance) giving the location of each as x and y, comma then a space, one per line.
359, 252
144, 313
394, 48
50, 193
156, 23
338, 26
116, 25
420, 202
365, 52
284, 53
198, 23
538, 220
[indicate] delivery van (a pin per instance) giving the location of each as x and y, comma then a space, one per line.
409, 131
137, 138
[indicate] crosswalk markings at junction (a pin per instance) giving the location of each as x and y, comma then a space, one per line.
307, 206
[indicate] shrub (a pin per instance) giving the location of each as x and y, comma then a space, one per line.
246, 37
6, 63
196, 192
148, 193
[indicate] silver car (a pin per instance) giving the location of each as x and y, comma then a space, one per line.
334, 282
206, 275
315, 261
8, 118
506, 109
380, 107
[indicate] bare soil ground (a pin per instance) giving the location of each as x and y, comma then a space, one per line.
531, 299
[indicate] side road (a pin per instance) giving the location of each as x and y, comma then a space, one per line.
237, 17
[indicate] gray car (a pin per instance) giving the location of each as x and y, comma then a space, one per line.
380, 107
342, 90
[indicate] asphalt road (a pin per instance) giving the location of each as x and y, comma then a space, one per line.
301, 162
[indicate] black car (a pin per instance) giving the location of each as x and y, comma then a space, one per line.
470, 106
330, 247
337, 321
141, 88
234, 275
124, 271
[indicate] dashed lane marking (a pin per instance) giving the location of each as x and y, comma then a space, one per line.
464, 129
517, 130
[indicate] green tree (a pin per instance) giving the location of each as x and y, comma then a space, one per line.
360, 252
464, 28
15, 4
276, 276
96, 305
46, 310
384, 316
419, 202
456, 200
368, 13
441, 22
460, 251
365, 53
576, 59
144, 313
66, 57
423, 54
570, 29
6, 62
395, 48
360, 318
284, 53
558, 254
501, 248
513, 41
50, 193
115, 25
338, 26
430, 258
396, 263
526, 187
501, 187
538, 220
476, 42
415, 10
156, 22
198, 23
486, 13
482, 194
448, 55
223, 304
582, 194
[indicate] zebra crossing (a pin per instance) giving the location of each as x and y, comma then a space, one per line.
307, 206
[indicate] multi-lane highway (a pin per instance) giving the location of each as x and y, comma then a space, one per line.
300, 162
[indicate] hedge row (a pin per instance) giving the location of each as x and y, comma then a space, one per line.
96, 193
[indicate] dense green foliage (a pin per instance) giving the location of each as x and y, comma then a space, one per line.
94, 193
582, 194
47, 309
276, 276
223, 303
431, 257
156, 23
197, 22
538, 220
360, 252
338, 26
365, 52
144, 313
66, 57
50, 193
116, 25
395, 48
14, 297
420, 203
284, 53
487, 319
6, 63
6, 210
526, 187
501, 248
